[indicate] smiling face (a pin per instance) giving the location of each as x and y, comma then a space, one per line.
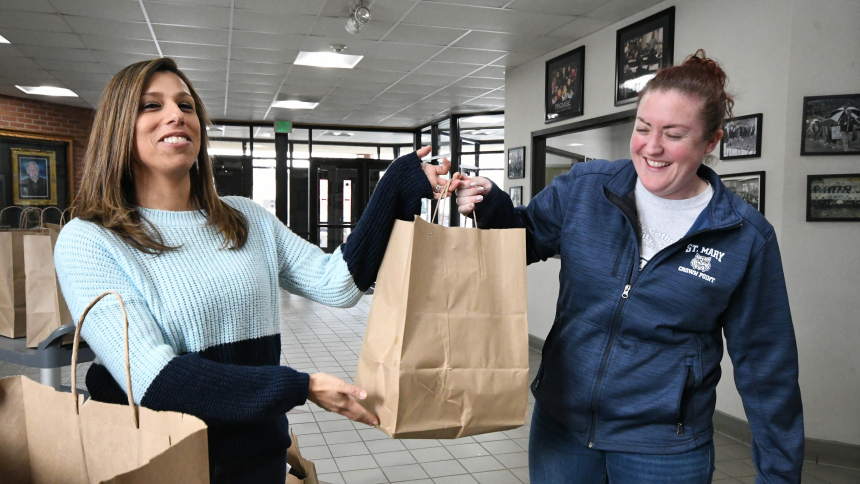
167, 131
668, 144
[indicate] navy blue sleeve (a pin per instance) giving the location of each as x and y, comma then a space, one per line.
223, 393
761, 343
397, 196
542, 217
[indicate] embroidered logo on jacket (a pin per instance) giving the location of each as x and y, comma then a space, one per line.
701, 261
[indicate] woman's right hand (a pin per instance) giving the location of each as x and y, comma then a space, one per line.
470, 192
335, 395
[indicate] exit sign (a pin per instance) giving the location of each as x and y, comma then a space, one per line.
283, 126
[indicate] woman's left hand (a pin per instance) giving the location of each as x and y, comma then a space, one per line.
433, 173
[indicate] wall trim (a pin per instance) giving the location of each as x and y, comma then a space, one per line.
824, 452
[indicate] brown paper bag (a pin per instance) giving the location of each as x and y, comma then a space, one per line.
46, 308
13, 302
49, 437
302, 471
445, 353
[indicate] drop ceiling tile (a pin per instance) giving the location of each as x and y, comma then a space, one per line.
9, 50
275, 23
430, 79
59, 53
255, 78
197, 64
414, 88
385, 64
494, 40
354, 46
210, 3
480, 18
480, 82
421, 34
543, 44
99, 79
579, 28
557, 7
35, 22
260, 40
490, 72
483, 3
246, 87
301, 7
336, 28
263, 55
295, 82
190, 15
394, 50
125, 46
28, 6
191, 35
463, 91
468, 56
447, 68
118, 60
70, 66
114, 28
195, 75
103, 9
176, 49
264, 98
215, 86
351, 97
372, 75
49, 39
619, 9
14, 65
259, 68
405, 97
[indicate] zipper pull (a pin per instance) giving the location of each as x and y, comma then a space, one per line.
590, 445
626, 292
680, 429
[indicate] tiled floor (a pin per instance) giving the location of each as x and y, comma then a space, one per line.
318, 338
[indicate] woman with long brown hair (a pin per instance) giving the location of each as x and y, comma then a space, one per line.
199, 275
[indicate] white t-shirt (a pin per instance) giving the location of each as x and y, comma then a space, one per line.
663, 222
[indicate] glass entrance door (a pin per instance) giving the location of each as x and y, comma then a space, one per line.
340, 190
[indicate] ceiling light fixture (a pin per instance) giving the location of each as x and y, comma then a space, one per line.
293, 104
491, 120
327, 59
47, 91
3, 40
575, 144
358, 16
338, 48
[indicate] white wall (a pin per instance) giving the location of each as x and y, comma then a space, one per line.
775, 53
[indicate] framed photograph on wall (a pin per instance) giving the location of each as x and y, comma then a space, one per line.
516, 195
748, 186
563, 91
34, 177
831, 125
641, 49
741, 137
833, 198
517, 162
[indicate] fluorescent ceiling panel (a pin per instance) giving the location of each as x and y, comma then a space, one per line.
327, 59
294, 105
47, 91
483, 120
3, 40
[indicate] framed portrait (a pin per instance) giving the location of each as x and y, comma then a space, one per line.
563, 91
517, 162
741, 137
34, 177
516, 195
833, 198
831, 125
641, 49
748, 186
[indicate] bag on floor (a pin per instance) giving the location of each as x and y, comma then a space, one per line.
45, 307
445, 354
13, 299
302, 471
50, 437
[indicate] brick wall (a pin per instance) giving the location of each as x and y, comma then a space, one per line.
50, 118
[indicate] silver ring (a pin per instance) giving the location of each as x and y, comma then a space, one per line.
438, 188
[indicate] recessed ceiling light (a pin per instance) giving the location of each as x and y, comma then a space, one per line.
575, 144
327, 59
484, 119
3, 40
294, 105
47, 91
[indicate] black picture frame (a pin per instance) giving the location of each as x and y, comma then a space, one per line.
516, 194
822, 119
750, 186
638, 57
833, 198
517, 162
564, 86
742, 137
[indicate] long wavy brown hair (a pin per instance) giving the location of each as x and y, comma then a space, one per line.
107, 195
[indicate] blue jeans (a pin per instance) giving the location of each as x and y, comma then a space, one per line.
556, 457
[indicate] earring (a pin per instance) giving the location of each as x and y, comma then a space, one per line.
710, 160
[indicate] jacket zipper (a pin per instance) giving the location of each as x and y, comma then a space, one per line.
617, 317
680, 415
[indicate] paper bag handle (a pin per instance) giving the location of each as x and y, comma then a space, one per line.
25, 216
442, 197
42, 216
127, 365
7, 208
